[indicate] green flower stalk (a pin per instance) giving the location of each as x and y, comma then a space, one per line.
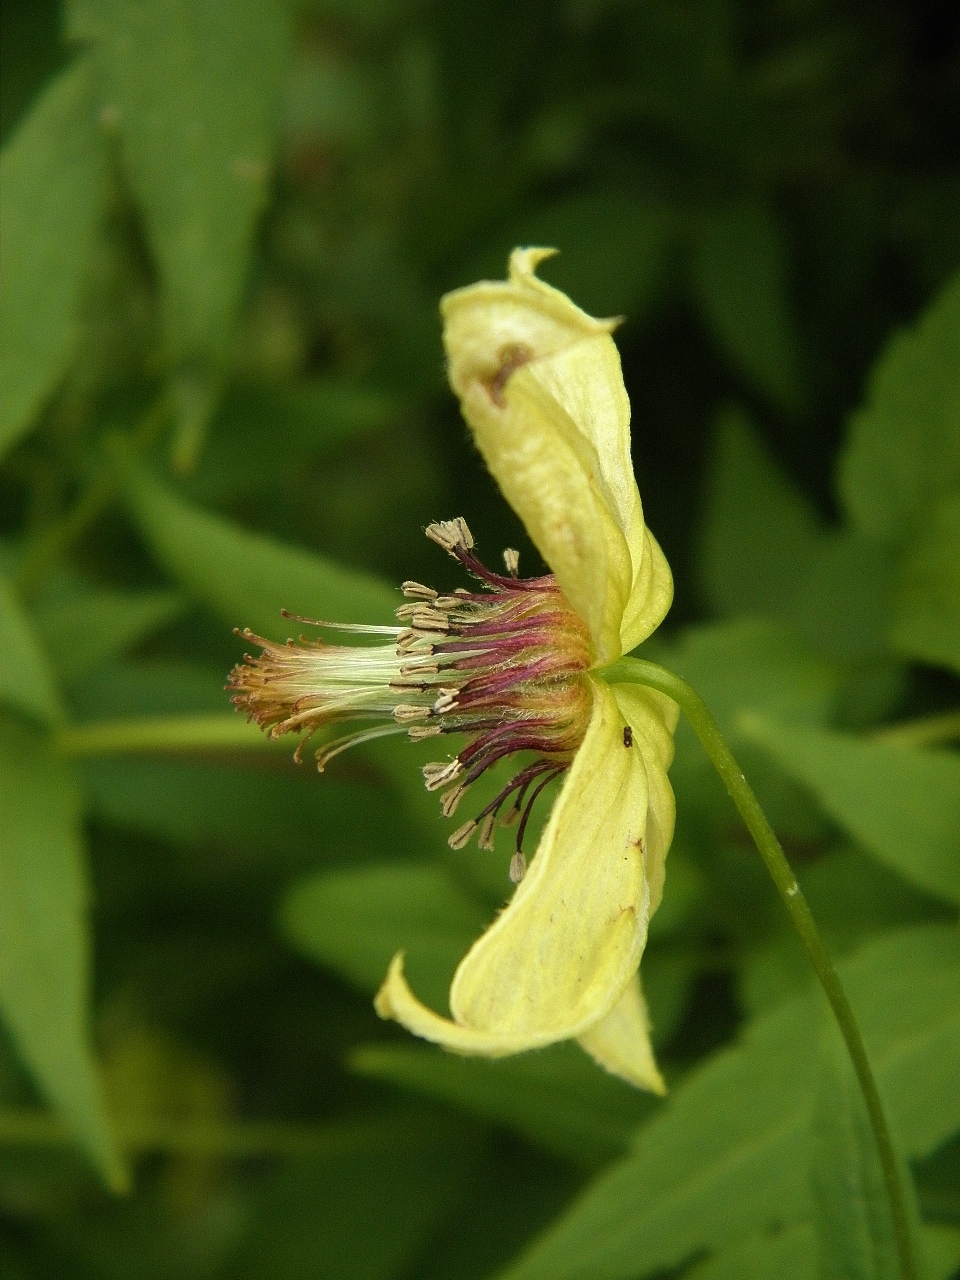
535, 668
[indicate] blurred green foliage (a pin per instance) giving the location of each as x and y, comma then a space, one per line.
226, 227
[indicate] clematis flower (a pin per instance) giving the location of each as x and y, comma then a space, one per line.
515, 666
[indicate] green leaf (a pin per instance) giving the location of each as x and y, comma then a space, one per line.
739, 274
194, 88
783, 1255
26, 681
257, 425
555, 1097
248, 577
903, 451
231, 822
52, 188
926, 621
728, 1154
44, 947
759, 532
356, 921
853, 1221
791, 1254
756, 666
764, 552
362, 1210
85, 628
901, 803
853, 898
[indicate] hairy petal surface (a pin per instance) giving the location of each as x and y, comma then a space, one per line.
540, 385
652, 717
560, 956
620, 1042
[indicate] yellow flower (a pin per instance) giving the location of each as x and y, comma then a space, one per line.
515, 667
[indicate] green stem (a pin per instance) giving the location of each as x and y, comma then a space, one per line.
163, 735
207, 1137
930, 731
648, 673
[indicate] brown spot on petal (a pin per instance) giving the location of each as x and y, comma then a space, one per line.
512, 357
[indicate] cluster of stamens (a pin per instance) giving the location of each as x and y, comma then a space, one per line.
502, 665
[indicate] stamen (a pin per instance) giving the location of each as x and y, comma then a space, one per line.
453, 535
420, 731
417, 591
462, 834
437, 775
446, 701
518, 867
511, 560
406, 713
451, 799
358, 628
326, 754
485, 839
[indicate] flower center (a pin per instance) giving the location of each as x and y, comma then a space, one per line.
503, 665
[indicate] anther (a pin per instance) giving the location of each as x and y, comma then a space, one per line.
450, 799
453, 535
406, 713
419, 731
511, 559
446, 701
426, 619
518, 867
509, 817
462, 835
437, 775
417, 591
485, 839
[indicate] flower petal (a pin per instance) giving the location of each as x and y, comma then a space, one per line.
541, 387
558, 958
620, 1042
653, 716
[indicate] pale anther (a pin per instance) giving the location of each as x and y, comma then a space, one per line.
518, 867
462, 835
437, 775
417, 591
419, 731
450, 799
511, 560
405, 713
485, 839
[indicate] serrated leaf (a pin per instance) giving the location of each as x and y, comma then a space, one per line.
554, 1097
901, 803
791, 1254
248, 577
44, 945
356, 921
926, 623
739, 274
26, 680
52, 188
854, 1225
903, 451
194, 88
85, 628
728, 1154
